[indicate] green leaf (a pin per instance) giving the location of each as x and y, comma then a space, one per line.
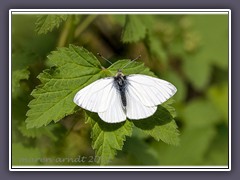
22, 155
198, 66
53, 99
197, 70
134, 29
107, 138
160, 126
193, 148
200, 113
46, 23
18, 75
217, 26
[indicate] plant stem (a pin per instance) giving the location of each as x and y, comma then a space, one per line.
65, 32
84, 25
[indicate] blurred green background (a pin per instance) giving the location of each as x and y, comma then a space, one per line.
190, 51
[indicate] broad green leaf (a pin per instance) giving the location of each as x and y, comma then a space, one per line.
22, 155
193, 148
107, 138
160, 126
200, 113
197, 70
53, 99
16, 77
46, 23
134, 29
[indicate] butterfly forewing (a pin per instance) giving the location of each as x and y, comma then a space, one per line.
96, 96
150, 91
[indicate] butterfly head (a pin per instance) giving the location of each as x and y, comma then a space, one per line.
119, 73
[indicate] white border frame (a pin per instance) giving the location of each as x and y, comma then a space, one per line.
120, 168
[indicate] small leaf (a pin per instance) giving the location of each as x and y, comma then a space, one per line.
160, 126
46, 23
134, 29
107, 138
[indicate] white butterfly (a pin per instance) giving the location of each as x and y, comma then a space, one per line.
117, 98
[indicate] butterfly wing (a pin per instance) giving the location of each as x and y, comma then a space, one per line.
95, 97
115, 112
102, 97
150, 91
135, 108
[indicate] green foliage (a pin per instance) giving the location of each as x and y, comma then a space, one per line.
107, 138
53, 99
16, 77
194, 144
160, 126
46, 23
22, 155
219, 97
208, 114
37, 132
134, 29
180, 49
211, 53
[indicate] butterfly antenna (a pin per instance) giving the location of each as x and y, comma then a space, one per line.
104, 58
131, 61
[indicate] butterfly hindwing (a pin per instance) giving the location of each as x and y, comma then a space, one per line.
115, 112
136, 109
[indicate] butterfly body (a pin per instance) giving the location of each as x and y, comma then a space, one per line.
120, 81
